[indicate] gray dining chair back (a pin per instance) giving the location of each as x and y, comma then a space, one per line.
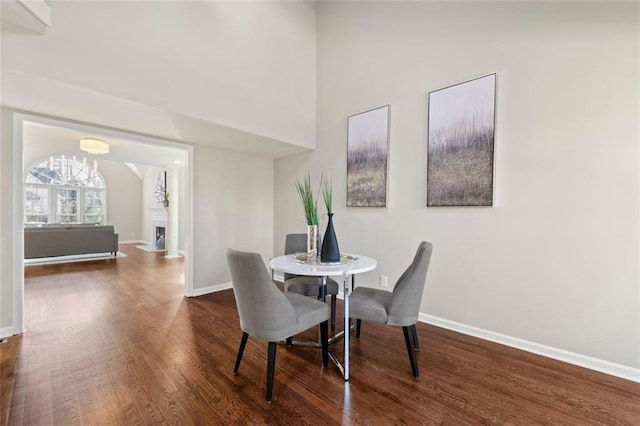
294, 243
267, 313
400, 307
262, 307
404, 305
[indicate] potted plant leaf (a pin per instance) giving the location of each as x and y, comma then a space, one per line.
310, 206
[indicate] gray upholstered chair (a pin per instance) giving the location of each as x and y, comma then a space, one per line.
267, 313
309, 286
399, 307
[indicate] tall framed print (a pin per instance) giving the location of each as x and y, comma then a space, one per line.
461, 129
367, 153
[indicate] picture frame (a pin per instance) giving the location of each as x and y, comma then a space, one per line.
367, 158
162, 196
460, 143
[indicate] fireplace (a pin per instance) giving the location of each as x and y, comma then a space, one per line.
159, 235
157, 231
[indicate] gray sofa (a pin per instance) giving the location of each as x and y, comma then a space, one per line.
63, 240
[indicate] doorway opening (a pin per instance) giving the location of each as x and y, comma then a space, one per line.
138, 145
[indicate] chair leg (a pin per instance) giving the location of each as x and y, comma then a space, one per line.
333, 312
358, 322
324, 337
271, 366
412, 356
416, 342
243, 343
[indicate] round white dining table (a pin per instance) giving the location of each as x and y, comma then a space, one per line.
354, 264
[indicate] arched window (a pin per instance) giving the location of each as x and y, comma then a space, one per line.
65, 190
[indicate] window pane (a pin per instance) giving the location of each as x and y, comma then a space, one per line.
36, 205
94, 206
67, 205
64, 171
71, 187
40, 173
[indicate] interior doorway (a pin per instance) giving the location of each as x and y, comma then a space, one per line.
139, 147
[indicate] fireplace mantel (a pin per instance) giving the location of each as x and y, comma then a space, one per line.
158, 214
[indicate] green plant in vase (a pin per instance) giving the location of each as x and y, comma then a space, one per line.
309, 203
310, 206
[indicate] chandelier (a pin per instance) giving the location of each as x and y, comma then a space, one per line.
94, 146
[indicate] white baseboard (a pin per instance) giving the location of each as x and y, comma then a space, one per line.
6, 332
596, 364
607, 367
211, 289
132, 242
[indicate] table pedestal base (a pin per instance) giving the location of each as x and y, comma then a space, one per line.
348, 327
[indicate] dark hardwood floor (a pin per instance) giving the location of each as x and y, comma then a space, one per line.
114, 342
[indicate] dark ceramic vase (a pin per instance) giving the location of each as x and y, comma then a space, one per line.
330, 251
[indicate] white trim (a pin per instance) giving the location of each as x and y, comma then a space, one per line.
33, 15
38, 9
18, 225
607, 367
602, 366
188, 214
6, 332
133, 242
211, 289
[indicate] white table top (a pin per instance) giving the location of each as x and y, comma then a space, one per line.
289, 265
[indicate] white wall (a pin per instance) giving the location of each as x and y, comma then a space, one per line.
243, 65
555, 261
233, 208
124, 195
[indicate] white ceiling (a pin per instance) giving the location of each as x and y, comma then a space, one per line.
58, 140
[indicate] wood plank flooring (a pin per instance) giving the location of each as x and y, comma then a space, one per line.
115, 342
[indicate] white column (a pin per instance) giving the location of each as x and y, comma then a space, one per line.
172, 214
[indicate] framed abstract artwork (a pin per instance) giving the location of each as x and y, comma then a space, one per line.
367, 149
162, 196
461, 129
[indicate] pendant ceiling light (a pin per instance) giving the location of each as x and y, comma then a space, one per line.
94, 146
